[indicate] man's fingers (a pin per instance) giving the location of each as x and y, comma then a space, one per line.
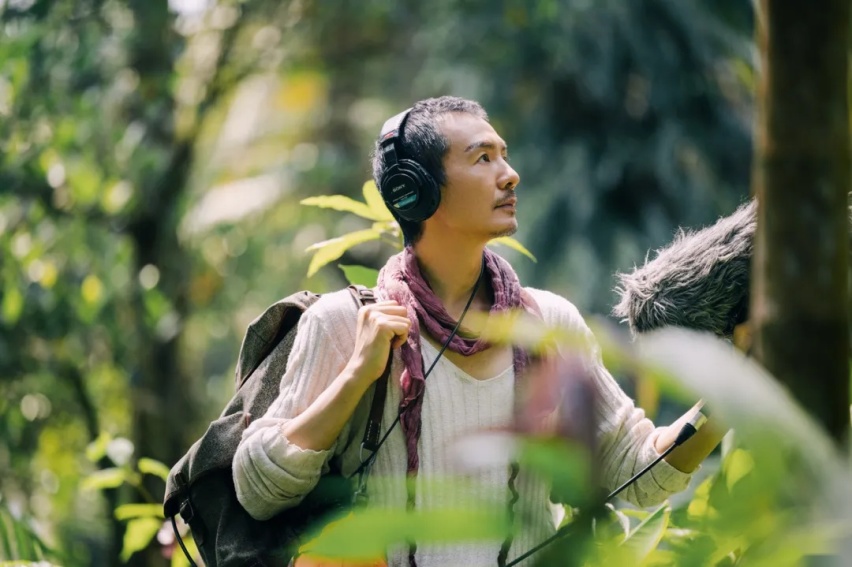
389, 308
399, 330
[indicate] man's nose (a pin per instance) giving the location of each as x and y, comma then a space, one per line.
510, 179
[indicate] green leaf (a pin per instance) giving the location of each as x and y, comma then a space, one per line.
5, 541
156, 468
566, 466
366, 534
647, 535
342, 203
106, 478
514, 245
375, 202
96, 450
13, 304
360, 275
330, 250
138, 535
128, 511
737, 464
19, 540
700, 504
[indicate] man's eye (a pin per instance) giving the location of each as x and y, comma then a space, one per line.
484, 157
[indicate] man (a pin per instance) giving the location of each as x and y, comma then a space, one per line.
339, 352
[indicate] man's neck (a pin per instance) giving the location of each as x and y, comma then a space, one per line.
452, 268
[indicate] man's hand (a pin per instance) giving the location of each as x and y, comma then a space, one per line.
381, 326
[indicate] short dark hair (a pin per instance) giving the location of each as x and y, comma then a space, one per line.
423, 142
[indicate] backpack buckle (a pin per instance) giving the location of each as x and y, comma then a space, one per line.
187, 512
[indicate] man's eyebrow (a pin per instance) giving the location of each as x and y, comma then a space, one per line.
484, 144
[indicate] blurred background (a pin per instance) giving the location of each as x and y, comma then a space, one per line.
153, 155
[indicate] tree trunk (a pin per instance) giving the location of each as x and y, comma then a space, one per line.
801, 179
163, 406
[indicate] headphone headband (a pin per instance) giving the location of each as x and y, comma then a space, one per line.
391, 134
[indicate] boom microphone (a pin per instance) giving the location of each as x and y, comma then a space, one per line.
699, 281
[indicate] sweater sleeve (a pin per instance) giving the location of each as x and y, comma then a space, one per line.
272, 474
625, 436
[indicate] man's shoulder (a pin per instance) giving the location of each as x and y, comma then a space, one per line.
555, 309
340, 304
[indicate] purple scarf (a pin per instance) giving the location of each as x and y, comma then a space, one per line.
402, 281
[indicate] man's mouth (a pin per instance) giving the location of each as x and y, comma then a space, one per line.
509, 203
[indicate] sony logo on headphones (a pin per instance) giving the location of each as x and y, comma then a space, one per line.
398, 187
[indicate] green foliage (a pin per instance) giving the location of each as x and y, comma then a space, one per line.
514, 245
779, 494
366, 534
384, 228
360, 275
330, 250
151, 165
143, 521
18, 541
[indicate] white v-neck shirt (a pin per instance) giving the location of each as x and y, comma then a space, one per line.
272, 474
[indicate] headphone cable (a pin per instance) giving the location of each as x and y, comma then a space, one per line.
686, 432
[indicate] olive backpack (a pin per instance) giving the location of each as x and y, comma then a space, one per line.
200, 486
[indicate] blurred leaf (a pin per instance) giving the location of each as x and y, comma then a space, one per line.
13, 304
375, 202
92, 289
128, 511
138, 535
366, 534
614, 525
96, 450
517, 327
151, 466
514, 245
18, 541
565, 465
342, 203
106, 478
330, 250
360, 275
647, 535
84, 180
737, 464
699, 506
49, 276
639, 513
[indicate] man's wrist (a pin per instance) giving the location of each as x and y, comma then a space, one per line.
355, 379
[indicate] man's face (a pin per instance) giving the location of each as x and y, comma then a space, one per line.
478, 199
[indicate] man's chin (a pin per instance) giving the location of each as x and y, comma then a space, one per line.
508, 231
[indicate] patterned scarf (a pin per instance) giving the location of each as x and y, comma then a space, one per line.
402, 281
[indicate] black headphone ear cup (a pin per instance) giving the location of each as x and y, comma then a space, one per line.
409, 191
429, 196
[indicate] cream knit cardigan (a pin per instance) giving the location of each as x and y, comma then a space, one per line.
272, 474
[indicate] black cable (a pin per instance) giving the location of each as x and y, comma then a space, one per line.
689, 429
182, 546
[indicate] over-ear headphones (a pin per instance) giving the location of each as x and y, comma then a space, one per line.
407, 188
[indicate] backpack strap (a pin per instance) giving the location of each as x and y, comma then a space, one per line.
365, 296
